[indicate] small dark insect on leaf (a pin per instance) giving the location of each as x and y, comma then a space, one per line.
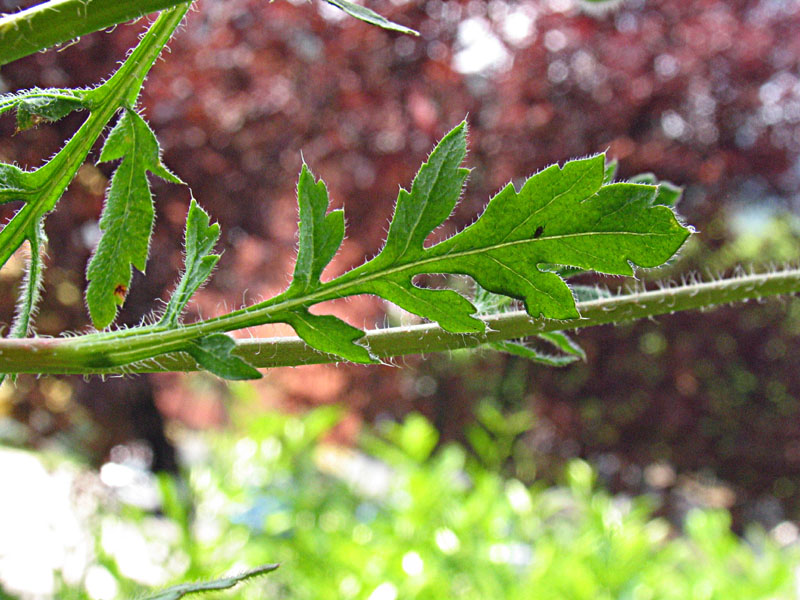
119, 293
538, 233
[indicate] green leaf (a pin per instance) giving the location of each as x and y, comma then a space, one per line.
563, 342
37, 105
214, 354
15, 184
572, 351
31, 285
329, 334
434, 193
179, 591
668, 194
199, 241
532, 354
127, 219
561, 216
368, 16
320, 236
31, 111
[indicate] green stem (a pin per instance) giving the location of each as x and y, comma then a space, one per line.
59, 21
100, 353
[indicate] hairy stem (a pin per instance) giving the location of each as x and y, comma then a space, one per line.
59, 21
100, 353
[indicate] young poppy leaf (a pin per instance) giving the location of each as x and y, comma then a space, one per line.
199, 261
127, 219
214, 353
562, 219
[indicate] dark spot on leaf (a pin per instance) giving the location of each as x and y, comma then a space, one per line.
538, 233
120, 292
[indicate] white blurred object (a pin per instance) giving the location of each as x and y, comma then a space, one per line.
40, 528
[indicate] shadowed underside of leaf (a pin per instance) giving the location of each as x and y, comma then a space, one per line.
37, 104
368, 16
214, 354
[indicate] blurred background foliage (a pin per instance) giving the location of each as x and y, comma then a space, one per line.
696, 409
394, 517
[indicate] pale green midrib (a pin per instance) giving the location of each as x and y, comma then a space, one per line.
148, 341
59, 356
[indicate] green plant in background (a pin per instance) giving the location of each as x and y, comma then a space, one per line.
394, 518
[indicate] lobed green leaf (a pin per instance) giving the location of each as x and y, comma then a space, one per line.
127, 219
199, 240
561, 216
563, 219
